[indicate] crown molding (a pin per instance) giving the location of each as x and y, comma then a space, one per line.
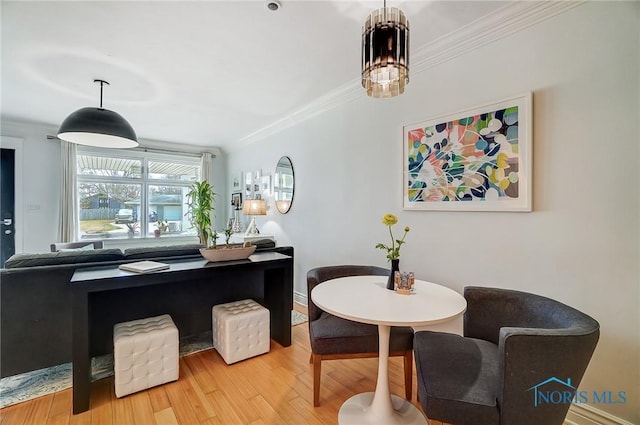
511, 18
343, 94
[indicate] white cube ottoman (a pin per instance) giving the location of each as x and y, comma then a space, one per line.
240, 330
145, 354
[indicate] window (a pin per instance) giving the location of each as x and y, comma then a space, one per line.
123, 194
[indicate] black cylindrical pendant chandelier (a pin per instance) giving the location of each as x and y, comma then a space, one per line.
98, 127
385, 52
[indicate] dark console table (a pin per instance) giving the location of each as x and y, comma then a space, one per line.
104, 296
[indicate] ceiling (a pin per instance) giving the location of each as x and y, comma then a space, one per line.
205, 73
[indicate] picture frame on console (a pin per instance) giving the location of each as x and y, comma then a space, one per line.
236, 200
265, 185
477, 159
252, 182
249, 190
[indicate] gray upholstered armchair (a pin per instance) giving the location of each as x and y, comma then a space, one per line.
515, 346
336, 338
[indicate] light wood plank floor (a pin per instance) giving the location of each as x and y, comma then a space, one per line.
275, 388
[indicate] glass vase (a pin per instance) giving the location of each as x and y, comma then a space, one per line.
237, 225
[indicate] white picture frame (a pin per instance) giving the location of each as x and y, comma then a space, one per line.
478, 159
265, 185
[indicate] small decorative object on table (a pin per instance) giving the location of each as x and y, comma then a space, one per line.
236, 202
393, 251
404, 282
237, 224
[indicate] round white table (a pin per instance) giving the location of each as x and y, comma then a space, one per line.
366, 299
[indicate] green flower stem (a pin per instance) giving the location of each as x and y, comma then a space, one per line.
403, 236
392, 242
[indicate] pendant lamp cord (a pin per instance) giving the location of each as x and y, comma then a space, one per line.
102, 83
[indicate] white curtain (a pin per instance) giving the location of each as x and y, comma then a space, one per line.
206, 167
68, 231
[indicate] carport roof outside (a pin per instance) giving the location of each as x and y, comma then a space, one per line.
132, 167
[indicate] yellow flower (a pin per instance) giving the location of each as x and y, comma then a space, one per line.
393, 251
389, 219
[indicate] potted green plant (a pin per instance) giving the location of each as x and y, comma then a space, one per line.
133, 229
227, 252
161, 227
199, 208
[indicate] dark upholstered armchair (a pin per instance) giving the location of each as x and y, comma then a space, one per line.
517, 347
336, 338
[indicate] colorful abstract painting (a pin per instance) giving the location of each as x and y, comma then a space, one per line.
475, 160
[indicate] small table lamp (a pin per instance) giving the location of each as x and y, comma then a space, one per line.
253, 207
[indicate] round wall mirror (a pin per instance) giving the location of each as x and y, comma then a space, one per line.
283, 185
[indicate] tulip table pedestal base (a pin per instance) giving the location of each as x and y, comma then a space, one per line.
358, 411
380, 407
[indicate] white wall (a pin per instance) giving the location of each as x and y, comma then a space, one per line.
581, 243
41, 187
40, 183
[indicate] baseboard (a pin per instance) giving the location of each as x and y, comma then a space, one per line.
584, 414
300, 298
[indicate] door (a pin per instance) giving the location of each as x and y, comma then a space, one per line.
7, 204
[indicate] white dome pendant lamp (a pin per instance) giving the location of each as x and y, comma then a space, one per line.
98, 127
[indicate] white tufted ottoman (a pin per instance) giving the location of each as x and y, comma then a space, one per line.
145, 354
240, 330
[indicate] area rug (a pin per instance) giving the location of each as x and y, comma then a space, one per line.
297, 318
37, 383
